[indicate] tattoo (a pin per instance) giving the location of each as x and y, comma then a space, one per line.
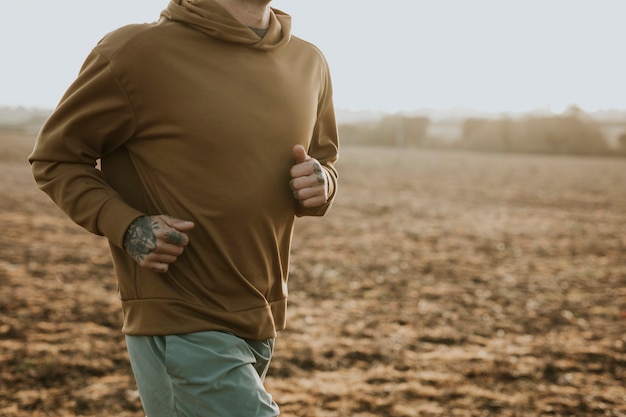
175, 238
140, 240
317, 168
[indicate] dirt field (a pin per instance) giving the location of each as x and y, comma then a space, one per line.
441, 284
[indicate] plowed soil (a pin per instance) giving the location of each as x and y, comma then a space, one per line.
441, 284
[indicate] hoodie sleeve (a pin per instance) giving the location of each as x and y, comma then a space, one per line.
324, 146
93, 118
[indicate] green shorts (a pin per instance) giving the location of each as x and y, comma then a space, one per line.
202, 374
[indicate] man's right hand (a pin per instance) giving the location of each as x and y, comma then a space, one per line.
155, 242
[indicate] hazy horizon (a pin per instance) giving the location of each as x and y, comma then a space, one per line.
486, 56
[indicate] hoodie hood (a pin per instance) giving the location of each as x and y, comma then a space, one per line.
213, 20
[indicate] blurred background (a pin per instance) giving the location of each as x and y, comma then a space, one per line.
451, 73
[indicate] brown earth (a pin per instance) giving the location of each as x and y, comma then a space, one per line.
441, 284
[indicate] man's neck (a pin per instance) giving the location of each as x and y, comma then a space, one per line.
254, 13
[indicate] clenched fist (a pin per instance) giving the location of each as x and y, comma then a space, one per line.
309, 182
155, 242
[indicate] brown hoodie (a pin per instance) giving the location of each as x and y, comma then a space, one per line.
194, 116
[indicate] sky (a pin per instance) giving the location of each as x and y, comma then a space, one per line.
392, 55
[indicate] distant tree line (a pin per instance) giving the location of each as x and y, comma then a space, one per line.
397, 131
571, 133
567, 134
22, 119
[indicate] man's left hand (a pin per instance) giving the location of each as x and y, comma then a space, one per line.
309, 182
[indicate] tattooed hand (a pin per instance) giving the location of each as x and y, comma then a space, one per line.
309, 182
156, 241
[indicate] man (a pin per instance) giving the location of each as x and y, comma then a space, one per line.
214, 128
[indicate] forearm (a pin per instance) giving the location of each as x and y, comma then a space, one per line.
81, 192
324, 147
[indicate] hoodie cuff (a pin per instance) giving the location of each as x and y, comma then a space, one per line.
114, 219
